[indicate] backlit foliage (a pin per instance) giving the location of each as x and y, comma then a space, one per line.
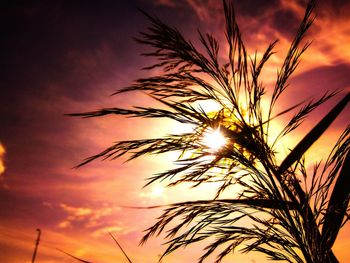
289, 213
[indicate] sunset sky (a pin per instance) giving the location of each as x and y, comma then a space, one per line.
61, 57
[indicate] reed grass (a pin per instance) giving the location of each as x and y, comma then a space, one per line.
289, 218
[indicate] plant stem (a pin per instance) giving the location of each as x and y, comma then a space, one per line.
36, 245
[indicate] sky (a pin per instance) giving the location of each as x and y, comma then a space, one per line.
60, 57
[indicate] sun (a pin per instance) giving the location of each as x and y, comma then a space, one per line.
157, 191
214, 139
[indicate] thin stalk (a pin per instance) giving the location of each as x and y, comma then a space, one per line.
37, 242
296, 154
115, 240
269, 168
337, 205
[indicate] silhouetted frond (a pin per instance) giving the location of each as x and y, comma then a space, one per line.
337, 206
294, 53
285, 210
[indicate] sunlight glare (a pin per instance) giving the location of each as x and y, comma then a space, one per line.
214, 139
210, 105
157, 191
154, 193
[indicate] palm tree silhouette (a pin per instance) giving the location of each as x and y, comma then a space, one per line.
293, 214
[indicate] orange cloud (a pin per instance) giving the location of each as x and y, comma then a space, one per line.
205, 9
2, 153
329, 34
95, 217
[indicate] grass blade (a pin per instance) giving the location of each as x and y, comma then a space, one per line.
115, 240
312, 136
337, 205
76, 258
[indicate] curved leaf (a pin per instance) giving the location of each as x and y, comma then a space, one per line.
312, 136
337, 205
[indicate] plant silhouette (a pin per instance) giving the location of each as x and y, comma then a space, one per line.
289, 212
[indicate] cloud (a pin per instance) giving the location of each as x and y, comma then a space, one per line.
169, 3
205, 10
210, 10
89, 217
329, 32
2, 154
76, 212
109, 229
332, 36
